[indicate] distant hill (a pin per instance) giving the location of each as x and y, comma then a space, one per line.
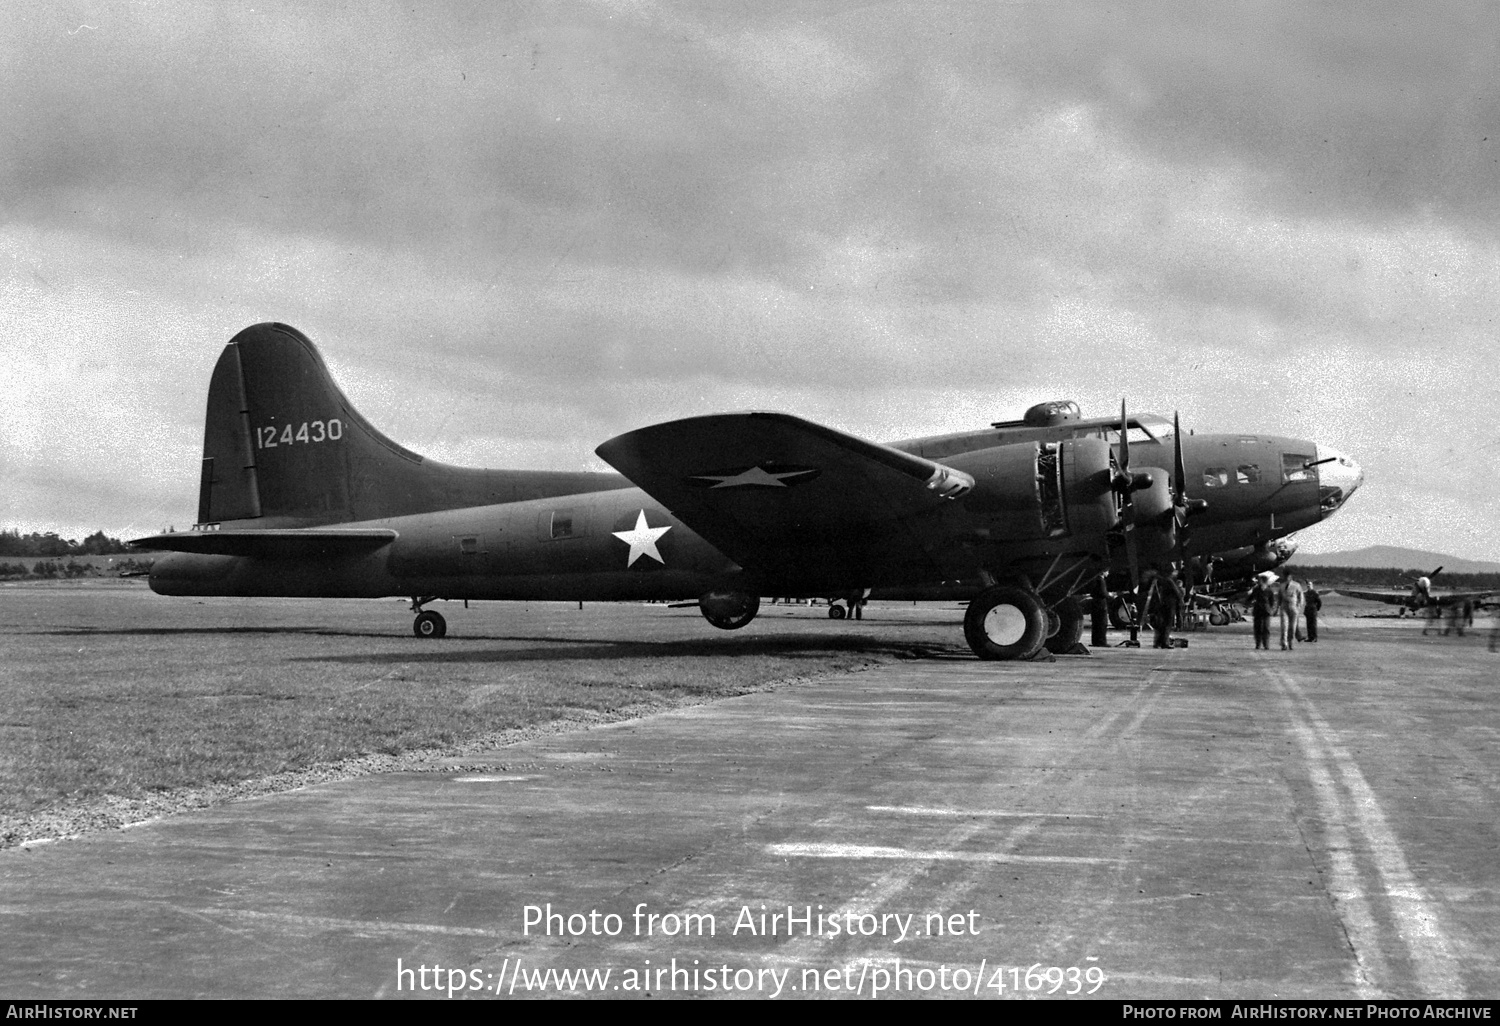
1377, 557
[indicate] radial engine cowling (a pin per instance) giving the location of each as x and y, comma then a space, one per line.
1155, 516
1033, 491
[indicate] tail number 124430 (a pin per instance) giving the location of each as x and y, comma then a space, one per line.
268, 437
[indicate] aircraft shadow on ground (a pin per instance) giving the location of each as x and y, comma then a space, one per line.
86, 632
564, 649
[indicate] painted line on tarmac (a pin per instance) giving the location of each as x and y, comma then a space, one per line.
362, 927
1141, 701
1415, 914
882, 890
1346, 889
877, 851
926, 810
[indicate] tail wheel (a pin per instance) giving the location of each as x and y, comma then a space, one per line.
836, 612
1121, 612
1218, 618
1006, 622
429, 624
1069, 613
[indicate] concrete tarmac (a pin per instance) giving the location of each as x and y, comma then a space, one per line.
1203, 823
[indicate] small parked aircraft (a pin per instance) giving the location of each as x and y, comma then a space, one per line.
1420, 596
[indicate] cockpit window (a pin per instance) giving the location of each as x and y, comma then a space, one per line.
1215, 477
1137, 433
1159, 428
1294, 467
1147, 427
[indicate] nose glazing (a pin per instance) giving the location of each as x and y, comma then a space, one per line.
1337, 478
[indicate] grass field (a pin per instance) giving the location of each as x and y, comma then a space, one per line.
109, 690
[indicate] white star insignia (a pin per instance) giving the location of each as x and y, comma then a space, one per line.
642, 540
755, 476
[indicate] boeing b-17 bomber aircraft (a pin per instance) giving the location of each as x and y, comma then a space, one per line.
299, 495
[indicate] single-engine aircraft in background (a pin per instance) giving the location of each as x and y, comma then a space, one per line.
1420, 596
299, 495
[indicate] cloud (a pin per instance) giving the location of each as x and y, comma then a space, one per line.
518, 230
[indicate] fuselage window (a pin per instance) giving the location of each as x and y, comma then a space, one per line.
1247, 473
562, 525
1215, 477
469, 546
1294, 467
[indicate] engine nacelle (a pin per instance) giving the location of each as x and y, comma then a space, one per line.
1155, 517
1251, 560
1035, 491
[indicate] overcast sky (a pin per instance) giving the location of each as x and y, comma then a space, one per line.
517, 230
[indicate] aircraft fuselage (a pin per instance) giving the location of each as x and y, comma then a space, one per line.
598, 546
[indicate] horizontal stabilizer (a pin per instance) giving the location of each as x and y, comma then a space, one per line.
314, 543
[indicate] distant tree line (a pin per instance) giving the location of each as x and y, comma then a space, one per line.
1389, 577
14, 543
51, 568
60, 556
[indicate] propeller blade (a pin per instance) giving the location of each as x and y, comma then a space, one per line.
1179, 468
1133, 557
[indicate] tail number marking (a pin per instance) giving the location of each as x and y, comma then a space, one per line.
310, 431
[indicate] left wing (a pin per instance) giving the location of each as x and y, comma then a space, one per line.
1388, 597
793, 499
1447, 598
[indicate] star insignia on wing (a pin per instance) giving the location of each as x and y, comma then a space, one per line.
769, 476
642, 540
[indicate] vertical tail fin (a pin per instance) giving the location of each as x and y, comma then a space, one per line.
282, 445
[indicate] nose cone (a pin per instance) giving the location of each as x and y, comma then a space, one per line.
1337, 479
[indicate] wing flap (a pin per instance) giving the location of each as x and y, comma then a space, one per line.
290, 543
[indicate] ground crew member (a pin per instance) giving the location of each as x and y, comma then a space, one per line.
1311, 604
1170, 600
1163, 600
1291, 611
1264, 600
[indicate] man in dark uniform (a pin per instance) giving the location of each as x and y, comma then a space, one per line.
1310, 611
1265, 600
1164, 600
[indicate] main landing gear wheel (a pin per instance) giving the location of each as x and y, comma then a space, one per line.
1006, 622
835, 611
429, 624
729, 610
1069, 634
